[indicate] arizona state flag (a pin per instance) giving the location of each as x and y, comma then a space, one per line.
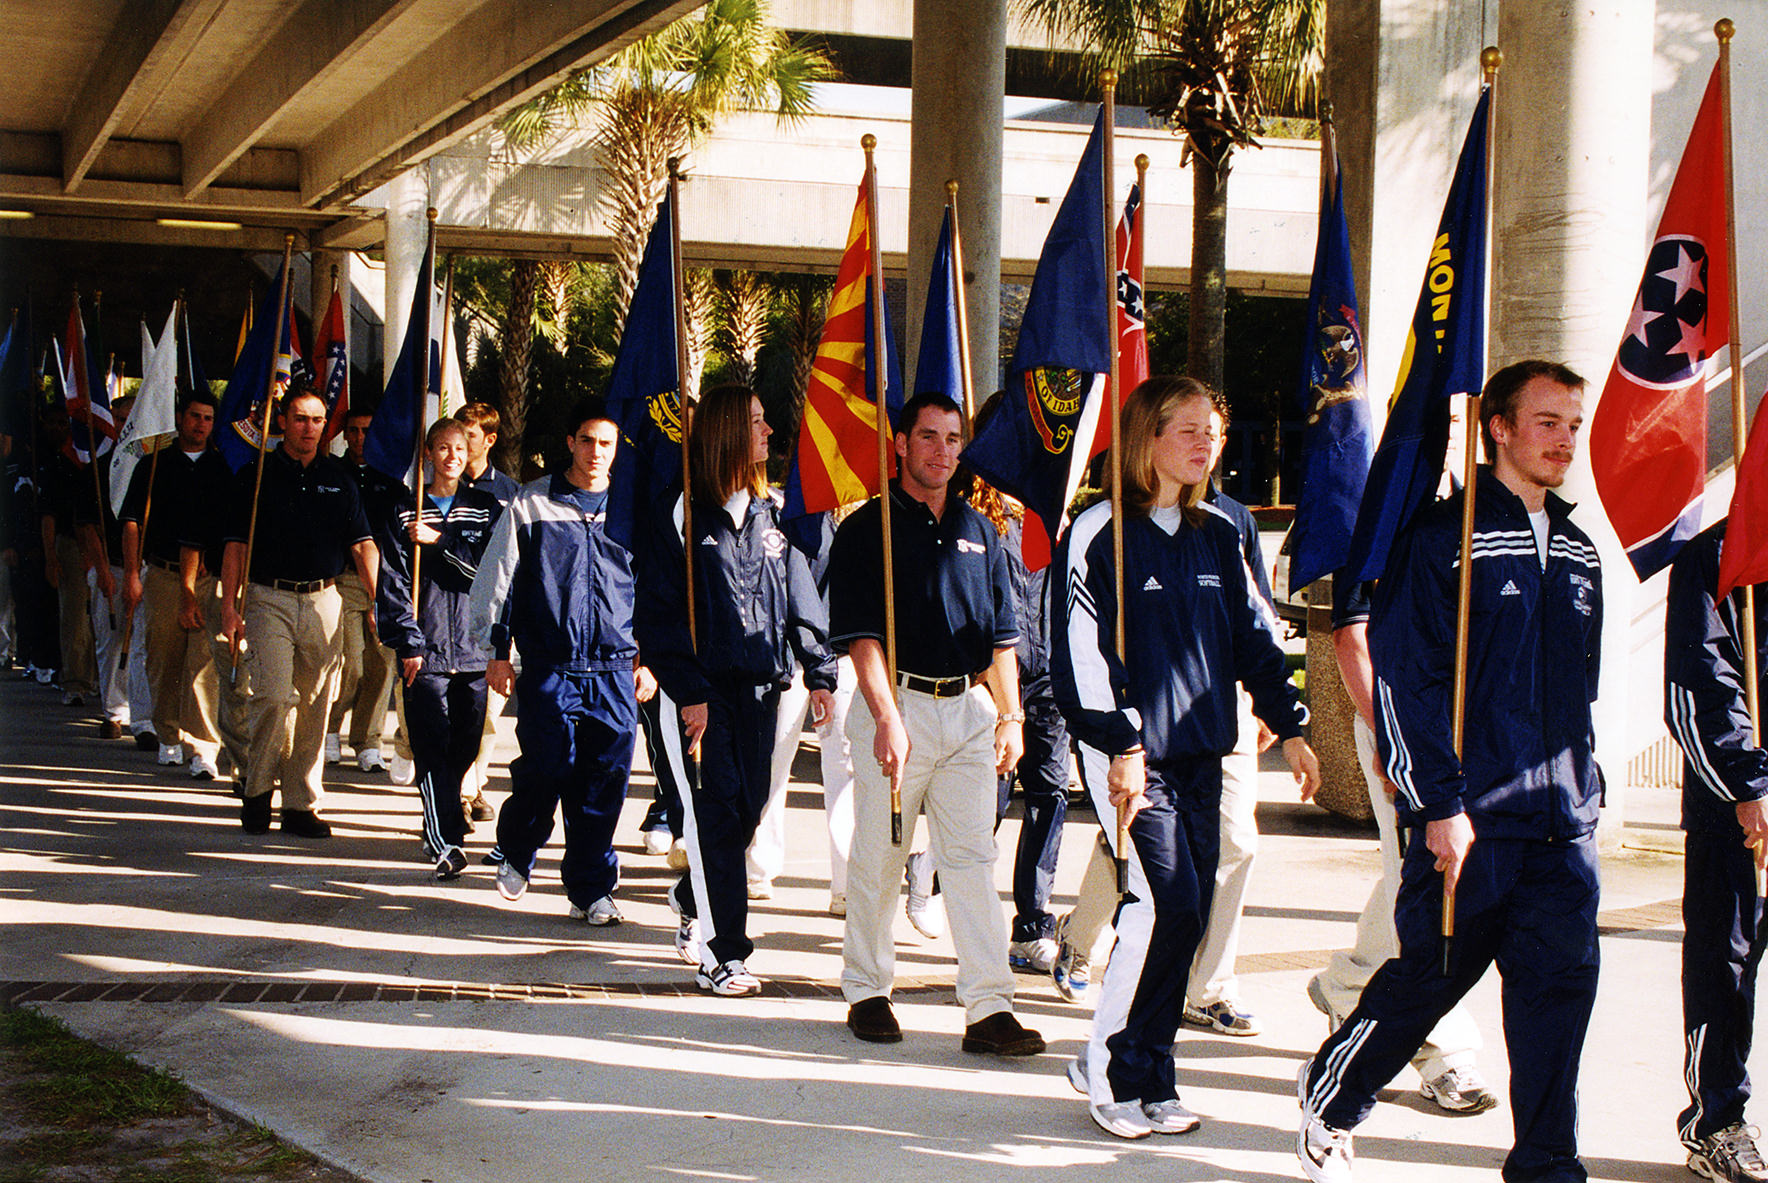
1648, 437
1445, 356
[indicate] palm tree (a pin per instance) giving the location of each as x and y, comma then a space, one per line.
1213, 69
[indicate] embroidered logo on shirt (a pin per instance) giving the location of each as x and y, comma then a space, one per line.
773, 544
709, 540
1209, 580
1510, 588
1153, 584
966, 547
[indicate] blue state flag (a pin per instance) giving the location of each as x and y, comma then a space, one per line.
644, 393
1445, 356
1334, 389
240, 419
394, 437
939, 369
1061, 360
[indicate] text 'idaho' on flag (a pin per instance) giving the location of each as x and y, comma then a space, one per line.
1036, 447
1648, 436
1444, 357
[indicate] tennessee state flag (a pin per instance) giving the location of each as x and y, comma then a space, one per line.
836, 460
1132, 333
331, 353
1743, 559
87, 394
1648, 436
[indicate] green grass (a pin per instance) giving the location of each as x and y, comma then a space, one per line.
81, 1084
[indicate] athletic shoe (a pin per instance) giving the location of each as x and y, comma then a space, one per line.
171, 753
761, 889
511, 883
146, 741
369, 760
657, 842
401, 771
45, 677
1460, 1090
1072, 970
730, 979
1077, 1074
110, 729
1222, 1017
601, 914
678, 855
333, 754
202, 768
304, 823
1033, 957
450, 863
926, 912
1121, 1119
687, 931
1170, 1117
837, 904
479, 809
1000, 1034
1325, 1152
70, 699
1729, 1155
492, 857
1317, 996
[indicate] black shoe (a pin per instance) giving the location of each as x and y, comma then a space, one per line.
872, 1020
254, 814
479, 809
492, 857
1001, 1035
147, 741
304, 823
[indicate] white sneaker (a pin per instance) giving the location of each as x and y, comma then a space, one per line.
332, 753
1170, 1117
1122, 1119
1460, 1090
687, 932
657, 842
926, 911
678, 855
171, 753
202, 768
511, 883
761, 889
1325, 1152
369, 760
837, 903
731, 979
401, 771
601, 914
1033, 957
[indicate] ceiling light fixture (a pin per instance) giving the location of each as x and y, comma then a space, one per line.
194, 224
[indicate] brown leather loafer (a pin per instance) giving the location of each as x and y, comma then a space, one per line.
110, 729
304, 823
1000, 1034
872, 1020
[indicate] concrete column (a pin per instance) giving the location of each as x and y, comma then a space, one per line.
408, 198
959, 76
1569, 219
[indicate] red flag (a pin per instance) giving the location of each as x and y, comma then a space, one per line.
1744, 557
1648, 434
87, 395
333, 358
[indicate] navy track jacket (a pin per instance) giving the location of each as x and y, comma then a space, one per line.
556, 585
441, 633
1704, 703
755, 605
1194, 625
1535, 636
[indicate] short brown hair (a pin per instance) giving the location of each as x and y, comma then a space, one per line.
1499, 398
1149, 409
484, 416
720, 444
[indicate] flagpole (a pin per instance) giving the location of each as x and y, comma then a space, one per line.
1108, 81
423, 406
447, 324
678, 298
153, 472
245, 575
110, 601
1490, 59
876, 367
951, 205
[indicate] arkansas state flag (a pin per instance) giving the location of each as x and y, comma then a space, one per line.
1648, 437
331, 355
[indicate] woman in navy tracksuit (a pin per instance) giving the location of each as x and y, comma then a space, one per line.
442, 666
1153, 729
753, 595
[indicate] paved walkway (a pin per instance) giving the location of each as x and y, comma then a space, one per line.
409, 1030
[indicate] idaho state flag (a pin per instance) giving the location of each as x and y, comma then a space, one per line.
1648, 436
1060, 363
837, 456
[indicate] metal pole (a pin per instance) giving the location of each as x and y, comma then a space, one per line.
1108, 81
962, 303
423, 407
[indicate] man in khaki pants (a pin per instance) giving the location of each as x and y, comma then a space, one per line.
310, 525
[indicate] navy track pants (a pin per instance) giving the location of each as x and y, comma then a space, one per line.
1721, 951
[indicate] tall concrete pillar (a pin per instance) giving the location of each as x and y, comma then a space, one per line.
958, 78
1569, 222
408, 199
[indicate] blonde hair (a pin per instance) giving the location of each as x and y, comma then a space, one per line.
1150, 408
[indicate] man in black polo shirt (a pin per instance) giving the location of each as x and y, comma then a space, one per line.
946, 729
180, 667
310, 525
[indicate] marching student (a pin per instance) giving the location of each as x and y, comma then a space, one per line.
366, 677
755, 608
441, 664
1154, 725
482, 424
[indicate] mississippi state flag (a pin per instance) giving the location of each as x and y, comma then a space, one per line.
1648, 437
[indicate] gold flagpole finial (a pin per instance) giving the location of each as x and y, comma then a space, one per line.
1142, 162
431, 214
1108, 79
951, 190
868, 142
1724, 30
1490, 58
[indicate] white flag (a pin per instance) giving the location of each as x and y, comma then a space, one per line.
155, 414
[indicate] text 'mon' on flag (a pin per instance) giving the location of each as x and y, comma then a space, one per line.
1648, 434
1336, 442
1036, 447
1444, 356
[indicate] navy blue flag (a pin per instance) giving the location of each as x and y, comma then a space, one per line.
1060, 364
644, 397
391, 445
1445, 356
15, 377
1334, 389
940, 367
240, 418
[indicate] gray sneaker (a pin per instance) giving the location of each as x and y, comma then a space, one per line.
511, 883
1460, 1090
1730, 1155
601, 914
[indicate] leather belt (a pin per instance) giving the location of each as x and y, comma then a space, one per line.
937, 687
162, 564
296, 586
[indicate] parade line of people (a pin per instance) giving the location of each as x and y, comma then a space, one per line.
325, 592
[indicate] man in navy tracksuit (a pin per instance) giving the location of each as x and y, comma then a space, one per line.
553, 583
1724, 783
1514, 815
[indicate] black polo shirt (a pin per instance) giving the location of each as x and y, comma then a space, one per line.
183, 486
498, 484
208, 510
92, 508
954, 598
308, 518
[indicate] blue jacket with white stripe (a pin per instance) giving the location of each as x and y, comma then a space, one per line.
1194, 624
1534, 650
1704, 703
441, 633
556, 585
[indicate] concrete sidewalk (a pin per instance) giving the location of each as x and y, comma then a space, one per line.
409, 1030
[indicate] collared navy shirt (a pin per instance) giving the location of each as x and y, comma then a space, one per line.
500, 485
954, 599
308, 518
183, 487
